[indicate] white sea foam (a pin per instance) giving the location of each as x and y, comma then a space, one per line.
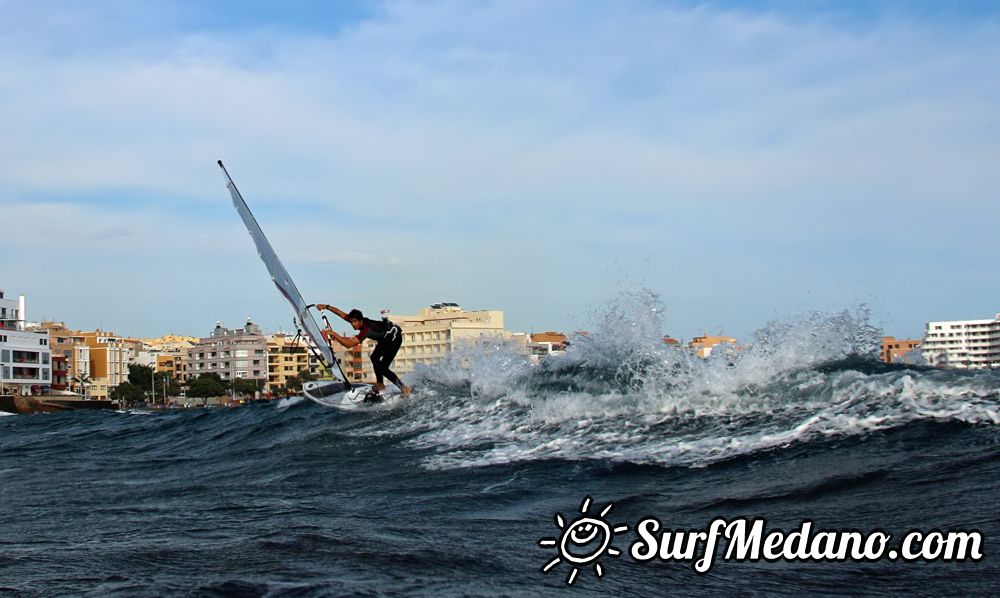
288, 402
627, 397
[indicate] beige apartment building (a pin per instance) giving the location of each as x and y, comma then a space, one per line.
109, 359
428, 337
287, 357
169, 353
173, 363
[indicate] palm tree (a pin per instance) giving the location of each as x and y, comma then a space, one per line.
83, 380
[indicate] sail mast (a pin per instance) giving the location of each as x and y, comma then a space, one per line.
282, 279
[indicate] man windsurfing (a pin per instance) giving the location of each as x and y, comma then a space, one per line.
388, 338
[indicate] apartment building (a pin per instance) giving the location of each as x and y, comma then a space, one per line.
71, 347
895, 350
173, 363
287, 357
109, 357
231, 353
60, 372
169, 353
963, 344
25, 355
545, 344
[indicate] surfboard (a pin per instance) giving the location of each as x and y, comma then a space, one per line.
331, 393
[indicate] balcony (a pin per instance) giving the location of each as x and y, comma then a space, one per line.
25, 374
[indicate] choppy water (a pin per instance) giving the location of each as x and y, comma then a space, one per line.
448, 493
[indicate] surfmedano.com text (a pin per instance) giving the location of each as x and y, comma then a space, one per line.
747, 540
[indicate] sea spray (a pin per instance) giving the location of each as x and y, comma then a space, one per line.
621, 394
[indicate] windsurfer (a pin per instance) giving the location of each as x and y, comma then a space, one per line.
388, 338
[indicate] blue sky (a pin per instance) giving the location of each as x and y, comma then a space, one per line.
745, 160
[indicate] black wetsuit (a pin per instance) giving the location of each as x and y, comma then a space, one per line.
388, 338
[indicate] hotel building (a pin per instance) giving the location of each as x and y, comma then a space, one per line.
25, 356
963, 344
231, 353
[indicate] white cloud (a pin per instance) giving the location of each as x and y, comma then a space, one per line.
446, 121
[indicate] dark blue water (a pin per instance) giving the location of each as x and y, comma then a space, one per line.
450, 492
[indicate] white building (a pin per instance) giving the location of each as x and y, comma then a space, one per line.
546, 344
25, 357
965, 344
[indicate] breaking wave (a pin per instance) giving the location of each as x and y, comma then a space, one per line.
620, 394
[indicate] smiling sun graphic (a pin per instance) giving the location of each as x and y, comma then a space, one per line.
583, 541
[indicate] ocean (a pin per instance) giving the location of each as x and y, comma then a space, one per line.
466, 488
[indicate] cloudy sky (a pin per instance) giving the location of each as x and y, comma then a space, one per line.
746, 161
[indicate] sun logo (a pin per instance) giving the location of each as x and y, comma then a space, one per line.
583, 541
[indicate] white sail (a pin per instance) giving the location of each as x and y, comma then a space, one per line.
280, 276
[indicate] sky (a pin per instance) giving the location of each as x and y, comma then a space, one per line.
745, 161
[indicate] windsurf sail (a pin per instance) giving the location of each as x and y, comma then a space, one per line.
281, 278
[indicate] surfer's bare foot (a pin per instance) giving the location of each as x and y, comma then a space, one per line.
407, 390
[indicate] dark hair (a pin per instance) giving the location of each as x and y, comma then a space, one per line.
355, 314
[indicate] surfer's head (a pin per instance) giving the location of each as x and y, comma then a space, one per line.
356, 318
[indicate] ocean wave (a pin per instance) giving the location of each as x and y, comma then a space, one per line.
628, 397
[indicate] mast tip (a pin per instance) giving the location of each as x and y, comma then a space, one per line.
220, 162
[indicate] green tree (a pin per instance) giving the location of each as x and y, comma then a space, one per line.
140, 376
173, 385
127, 394
246, 386
82, 382
206, 385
